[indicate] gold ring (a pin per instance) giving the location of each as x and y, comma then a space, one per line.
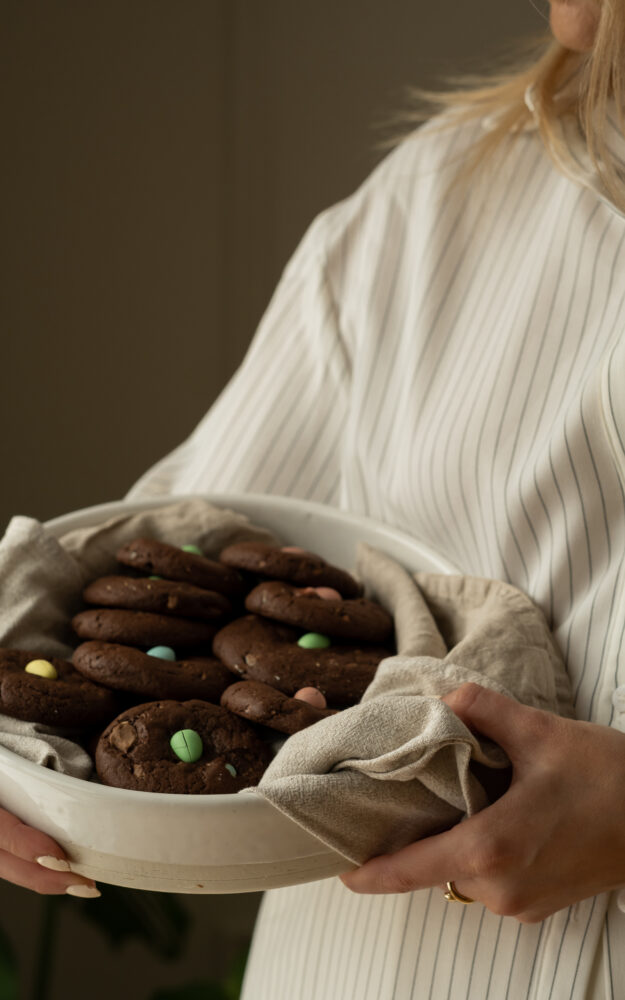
452, 895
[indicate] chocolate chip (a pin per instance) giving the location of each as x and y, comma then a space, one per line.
124, 736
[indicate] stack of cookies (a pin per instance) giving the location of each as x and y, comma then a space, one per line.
309, 630
162, 641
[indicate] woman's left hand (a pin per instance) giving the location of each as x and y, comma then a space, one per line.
555, 837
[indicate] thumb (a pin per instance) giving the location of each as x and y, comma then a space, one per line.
515, 727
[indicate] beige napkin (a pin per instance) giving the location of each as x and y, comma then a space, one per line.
45, 746
397, 767
43, 578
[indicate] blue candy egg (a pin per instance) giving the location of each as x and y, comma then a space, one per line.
162, 652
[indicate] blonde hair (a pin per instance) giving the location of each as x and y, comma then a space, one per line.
544, 72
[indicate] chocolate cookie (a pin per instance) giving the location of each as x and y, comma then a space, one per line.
127, 669
359, 619
140, 628
261, 650
266, 705
304, 569
56, 695
216, 752
150, 556
163, 597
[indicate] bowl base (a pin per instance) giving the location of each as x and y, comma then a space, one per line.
204, 879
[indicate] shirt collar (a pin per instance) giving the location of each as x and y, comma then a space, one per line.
573, 136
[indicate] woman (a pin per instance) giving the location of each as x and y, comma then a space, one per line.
442, 354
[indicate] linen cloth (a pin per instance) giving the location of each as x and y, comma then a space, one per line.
397, 766
44, 745
42, 582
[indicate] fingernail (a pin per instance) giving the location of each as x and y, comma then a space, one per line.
55, 864
82, 890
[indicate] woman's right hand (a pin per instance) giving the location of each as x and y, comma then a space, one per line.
33, 860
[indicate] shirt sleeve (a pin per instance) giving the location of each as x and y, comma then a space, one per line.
278, 425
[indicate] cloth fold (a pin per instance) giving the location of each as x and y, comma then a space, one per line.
398, 766
44, 745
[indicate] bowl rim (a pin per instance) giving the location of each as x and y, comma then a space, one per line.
90, 516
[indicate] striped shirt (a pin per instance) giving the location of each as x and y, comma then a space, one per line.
447, 360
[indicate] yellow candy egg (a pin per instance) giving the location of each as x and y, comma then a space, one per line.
43, 668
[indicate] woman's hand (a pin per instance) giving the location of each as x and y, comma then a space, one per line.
33, 860
555, 837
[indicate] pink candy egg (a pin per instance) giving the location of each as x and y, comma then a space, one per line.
312, 696
293, 548
326, 593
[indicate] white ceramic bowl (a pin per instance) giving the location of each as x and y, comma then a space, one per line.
197, 843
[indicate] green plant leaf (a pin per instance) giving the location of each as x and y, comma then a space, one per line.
158, 919
233, 982
8, 969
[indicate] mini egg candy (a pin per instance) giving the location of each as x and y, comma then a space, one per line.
193, 549
187, 745
162, 652
326, 593
231, 769
312, 696
293, 548
313, 640
42, 668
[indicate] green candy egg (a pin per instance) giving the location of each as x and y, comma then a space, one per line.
187, 745
193, 549
162, 653
314, 640
231, 769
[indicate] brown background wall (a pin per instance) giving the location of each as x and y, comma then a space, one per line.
160, 161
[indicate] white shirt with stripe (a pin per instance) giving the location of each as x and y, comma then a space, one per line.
451, 363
